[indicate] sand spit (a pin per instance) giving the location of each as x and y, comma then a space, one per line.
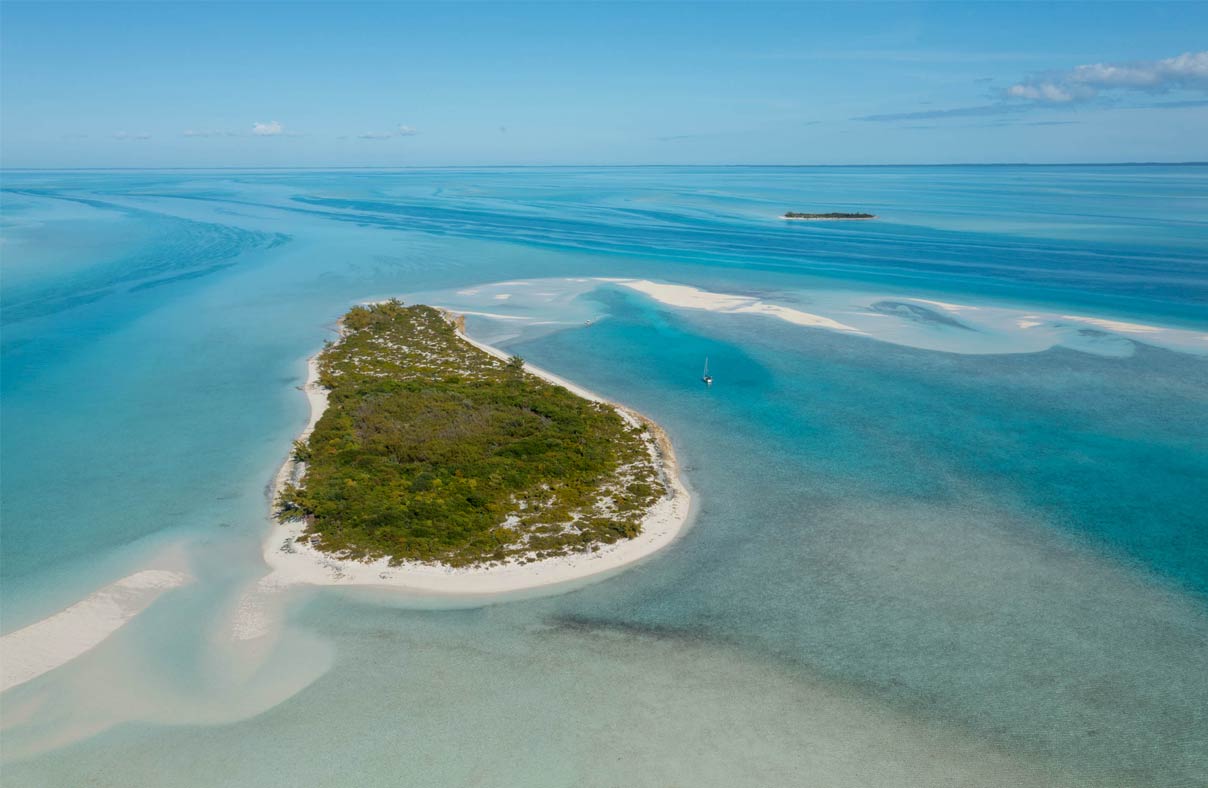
43, 646
687, 297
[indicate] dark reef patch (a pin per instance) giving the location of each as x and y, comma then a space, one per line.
919, 314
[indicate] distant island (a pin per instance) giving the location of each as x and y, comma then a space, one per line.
825, 216
434, 451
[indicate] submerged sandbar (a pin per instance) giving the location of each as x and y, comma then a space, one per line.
436, 463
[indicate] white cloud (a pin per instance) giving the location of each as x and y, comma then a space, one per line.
1047, 91
126, 135
401, 131
270, 129
1188, 71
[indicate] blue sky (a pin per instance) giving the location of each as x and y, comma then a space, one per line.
313, 84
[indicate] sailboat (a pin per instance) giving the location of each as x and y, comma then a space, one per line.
706, 377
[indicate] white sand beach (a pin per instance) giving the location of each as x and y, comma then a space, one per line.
294, 562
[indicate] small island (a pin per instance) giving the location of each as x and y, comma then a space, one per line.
826, 216
438, 463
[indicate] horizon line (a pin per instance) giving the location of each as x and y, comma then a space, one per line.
595, 166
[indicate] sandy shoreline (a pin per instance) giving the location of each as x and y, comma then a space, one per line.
294, 562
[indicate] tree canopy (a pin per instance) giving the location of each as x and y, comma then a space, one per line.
433, 450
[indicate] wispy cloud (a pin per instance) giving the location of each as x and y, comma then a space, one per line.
980, 110
705, 135
402, 131
923, 55
1003, 123
1188, 71
206, 133
1175, 104
127, 135
1012, 123
271, 129
679, 137
1080, 85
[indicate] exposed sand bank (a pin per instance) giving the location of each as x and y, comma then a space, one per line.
687, 297
47, 644
293, 562
950, 327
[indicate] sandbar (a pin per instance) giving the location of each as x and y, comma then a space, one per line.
45, 645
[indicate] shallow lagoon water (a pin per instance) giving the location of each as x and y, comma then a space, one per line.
907, 566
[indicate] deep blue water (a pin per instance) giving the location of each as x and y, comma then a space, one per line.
990, 566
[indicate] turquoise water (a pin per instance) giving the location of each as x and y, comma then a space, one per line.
907, 566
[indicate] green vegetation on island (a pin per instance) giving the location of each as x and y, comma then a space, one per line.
833, 215
433, 450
